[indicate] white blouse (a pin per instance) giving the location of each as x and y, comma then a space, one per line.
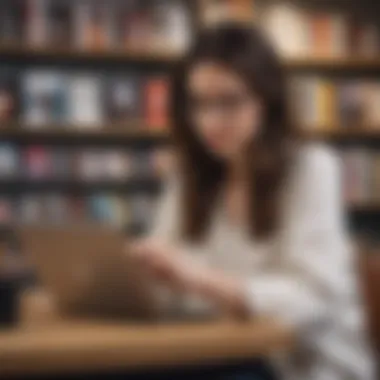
305, 276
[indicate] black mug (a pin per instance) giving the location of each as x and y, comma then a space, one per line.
9, 301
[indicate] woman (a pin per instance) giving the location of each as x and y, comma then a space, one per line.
252, 223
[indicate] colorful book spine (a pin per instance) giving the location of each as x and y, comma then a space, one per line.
85, 103
321, 34
37, 23
44, 98
60, 21
156, 92
327, 107
357, 176
9, 96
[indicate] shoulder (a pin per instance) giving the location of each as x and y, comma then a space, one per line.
315, 174
317, 160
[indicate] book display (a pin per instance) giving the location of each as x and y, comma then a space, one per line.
84, 97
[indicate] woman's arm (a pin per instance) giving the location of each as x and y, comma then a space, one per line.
313, 260
315, 264
314, 269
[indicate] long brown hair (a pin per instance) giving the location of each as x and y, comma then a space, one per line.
245, 51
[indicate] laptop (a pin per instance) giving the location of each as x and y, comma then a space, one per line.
88, 272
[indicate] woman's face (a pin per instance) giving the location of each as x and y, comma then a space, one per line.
225, 114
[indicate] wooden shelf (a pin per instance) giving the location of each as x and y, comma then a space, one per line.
19, 186
168, 56
104, 134
342, 134
132, 133
73, 54
138, 132
354, 63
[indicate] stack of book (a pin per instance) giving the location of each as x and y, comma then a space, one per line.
219, 10
80, 164
56, 208
326, 104
148, 26
39, 98
361, 176
299, 32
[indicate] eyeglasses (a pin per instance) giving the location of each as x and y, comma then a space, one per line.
226, 105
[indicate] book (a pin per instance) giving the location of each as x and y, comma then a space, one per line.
287, 27
356, 175
321, 34
363, 37
85, 105
62, 163
13, 21
96, 18
37, 23
339, 36
44, 98
60, 14
321, 102
138, 33
156, 101
37, 162
171, 26
122, 17
80, 21
142, 164
351, 104
6, 211
355, 34
9, 161
90, 165
326, 104
100, 208
129, 168
371, 98
123, 99
9, 96
114, 165
368, 41
329, 34
220, 10
306, 102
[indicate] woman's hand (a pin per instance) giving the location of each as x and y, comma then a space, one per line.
184, 273
168, 265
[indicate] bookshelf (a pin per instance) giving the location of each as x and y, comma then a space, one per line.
109, 133
113, 134
138, 57
117, 50
167, 56
340, 134
100, 55
333, 64
150, 185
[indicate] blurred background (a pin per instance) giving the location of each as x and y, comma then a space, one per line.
84, 92
84, 127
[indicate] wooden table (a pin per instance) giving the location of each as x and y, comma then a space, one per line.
67, 347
